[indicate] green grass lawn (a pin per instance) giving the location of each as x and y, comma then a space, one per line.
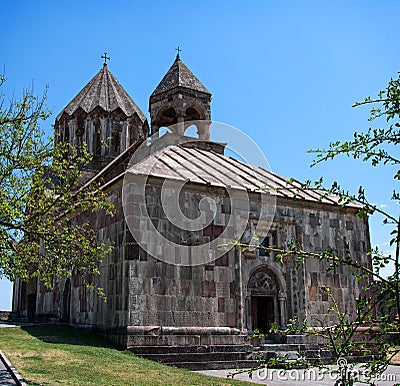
61, 355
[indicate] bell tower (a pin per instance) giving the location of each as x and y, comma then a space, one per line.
103, 117
179, 98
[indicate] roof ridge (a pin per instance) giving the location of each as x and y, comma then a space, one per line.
104, 89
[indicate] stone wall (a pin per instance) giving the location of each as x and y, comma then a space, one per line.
319, 227
217, 294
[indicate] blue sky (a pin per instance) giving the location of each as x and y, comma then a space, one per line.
286, 73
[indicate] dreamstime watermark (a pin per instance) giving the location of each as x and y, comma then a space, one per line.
159, 210
331, 373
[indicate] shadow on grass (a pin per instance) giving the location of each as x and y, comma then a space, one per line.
62, 334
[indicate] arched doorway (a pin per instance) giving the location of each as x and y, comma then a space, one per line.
266, 300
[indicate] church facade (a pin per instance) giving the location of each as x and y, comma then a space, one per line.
152, 302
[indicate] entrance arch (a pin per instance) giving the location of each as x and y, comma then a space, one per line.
266, 300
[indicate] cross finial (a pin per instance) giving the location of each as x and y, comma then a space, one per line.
179, 50
105, 57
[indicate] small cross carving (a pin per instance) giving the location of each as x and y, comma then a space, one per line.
105, 57
179, 50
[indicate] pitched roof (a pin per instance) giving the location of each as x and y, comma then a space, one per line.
106, 92
194, 165
179, 75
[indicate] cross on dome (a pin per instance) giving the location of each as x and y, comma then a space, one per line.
105, 57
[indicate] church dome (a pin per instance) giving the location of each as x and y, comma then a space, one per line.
104, 92
179, 76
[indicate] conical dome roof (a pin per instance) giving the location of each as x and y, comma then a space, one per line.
106, 92
179, 75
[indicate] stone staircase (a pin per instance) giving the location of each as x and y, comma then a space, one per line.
310, 350
293, 352
198, 348
243, 355
200, 357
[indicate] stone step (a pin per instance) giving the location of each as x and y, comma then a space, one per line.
312, 349
215, 365
311, 339
290, 355
139, 350
309, 353
135, 340
289, 347
200, 357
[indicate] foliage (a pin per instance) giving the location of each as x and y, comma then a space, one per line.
378, 309
42, 197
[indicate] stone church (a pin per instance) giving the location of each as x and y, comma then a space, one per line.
158, 307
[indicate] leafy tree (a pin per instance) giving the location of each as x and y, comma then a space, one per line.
378, 309
45, 203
